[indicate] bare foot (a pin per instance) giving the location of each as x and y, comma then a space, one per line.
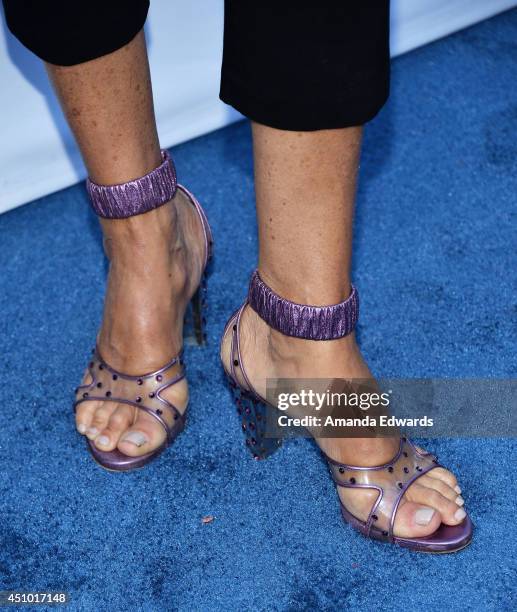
265, 353
156, 263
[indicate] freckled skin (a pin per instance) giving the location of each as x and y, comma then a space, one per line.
108, 104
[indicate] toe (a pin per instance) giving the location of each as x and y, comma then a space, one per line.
445, 476
442, 487
84, 414
144, 436
100, 419
415, 520
118, 423
451, 513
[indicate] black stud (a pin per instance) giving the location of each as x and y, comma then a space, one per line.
159, 378
385, 533
341, 470
406, 470
99, 385
235, 362
158, 411
400, 485
375, 517
151, 394
85, 394
418, 468
405, 454
108, 394
138, 399
235, 328
101, 366
114, 377
139, 382
352, 480
390, 469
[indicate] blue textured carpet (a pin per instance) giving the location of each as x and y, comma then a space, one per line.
439, 299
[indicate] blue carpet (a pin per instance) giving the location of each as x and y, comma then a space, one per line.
435, 261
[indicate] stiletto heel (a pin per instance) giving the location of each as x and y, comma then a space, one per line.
390, 480
143, 392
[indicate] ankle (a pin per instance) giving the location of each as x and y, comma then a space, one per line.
140, 235
284, 347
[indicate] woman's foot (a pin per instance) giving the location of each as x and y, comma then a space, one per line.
156, 264
434, 498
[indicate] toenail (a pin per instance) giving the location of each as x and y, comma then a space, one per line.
93, 431
136, 438
423, 516
457, 489
81, 428
460, 501
460, 514
102, 440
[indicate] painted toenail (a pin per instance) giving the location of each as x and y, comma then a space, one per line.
460, 514
423, 516
93, 431
102, 440
460, 501
457, 489
81, 428
136, 438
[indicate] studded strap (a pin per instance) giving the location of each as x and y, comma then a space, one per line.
390, 480
143, 392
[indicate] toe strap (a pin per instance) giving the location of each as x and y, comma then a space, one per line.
143, 392
390, 480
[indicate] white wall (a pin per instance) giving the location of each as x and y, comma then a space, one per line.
37, 152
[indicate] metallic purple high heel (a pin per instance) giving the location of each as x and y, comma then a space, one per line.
143, 392
390, 480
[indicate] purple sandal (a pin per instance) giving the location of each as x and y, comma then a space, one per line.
390, 480
142, 392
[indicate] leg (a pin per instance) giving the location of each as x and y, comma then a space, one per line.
305, 188
156, 258
310, 177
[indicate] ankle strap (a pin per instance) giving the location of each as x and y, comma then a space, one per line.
303, 321
137, 196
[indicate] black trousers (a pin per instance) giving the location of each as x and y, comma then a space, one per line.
289, 64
